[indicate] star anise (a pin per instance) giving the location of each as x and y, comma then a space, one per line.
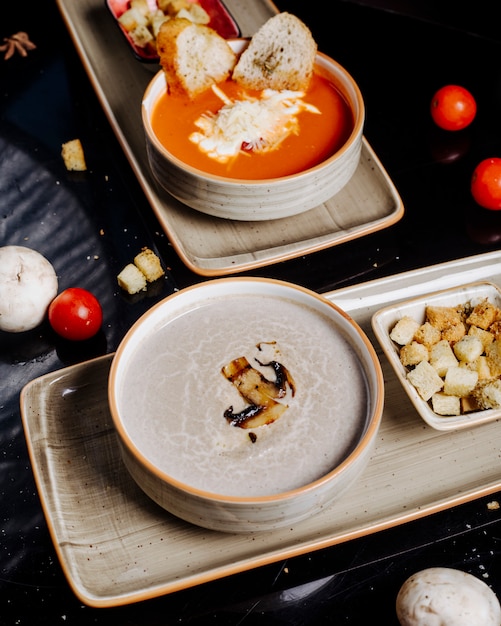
16, 43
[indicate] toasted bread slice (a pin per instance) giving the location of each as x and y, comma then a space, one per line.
193, 56
280, 55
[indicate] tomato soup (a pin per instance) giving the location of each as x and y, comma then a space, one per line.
319, 135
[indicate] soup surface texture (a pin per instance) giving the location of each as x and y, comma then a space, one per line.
319, 134
177, 374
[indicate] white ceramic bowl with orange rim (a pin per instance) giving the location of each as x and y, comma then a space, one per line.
266, 199
169, 401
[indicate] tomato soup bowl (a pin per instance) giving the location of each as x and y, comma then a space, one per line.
173, 405
263, 198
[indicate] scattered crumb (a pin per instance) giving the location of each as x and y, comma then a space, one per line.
493, 505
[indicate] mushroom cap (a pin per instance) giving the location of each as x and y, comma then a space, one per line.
28, 283
441, 596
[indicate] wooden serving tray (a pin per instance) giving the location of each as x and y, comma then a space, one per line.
117, 547
208, 245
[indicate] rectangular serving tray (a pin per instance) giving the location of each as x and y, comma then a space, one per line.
117, 547
211, 246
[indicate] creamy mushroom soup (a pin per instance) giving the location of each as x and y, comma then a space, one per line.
177, 373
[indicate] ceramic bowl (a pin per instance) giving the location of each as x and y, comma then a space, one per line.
178, 416
255, 200
385, 319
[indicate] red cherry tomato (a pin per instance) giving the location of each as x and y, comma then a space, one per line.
486, 184
75, 314
453, 107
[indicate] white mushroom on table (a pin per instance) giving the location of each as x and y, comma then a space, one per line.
442, 596
28, 284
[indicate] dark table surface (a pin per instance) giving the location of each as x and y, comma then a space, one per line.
89, 225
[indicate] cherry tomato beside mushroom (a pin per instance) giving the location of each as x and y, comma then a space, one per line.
453, 107
486, 184
75, 314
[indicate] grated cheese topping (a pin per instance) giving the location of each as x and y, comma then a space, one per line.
252, 124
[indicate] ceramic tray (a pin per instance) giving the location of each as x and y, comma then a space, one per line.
212, 246
117, 547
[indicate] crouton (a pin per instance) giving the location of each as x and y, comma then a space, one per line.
468, 348
493, 354
443, 404
149, 264
172, 7
131, 279
495, 329
425, 379
443, 317
481, 366
483, 314
469, 404
460, 381
442, 357
454, 333
413, 353
133, 18
74, 156
427, 334
195, 13
404, 329
485, 336
488, 394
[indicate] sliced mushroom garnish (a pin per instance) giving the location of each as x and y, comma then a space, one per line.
258, 391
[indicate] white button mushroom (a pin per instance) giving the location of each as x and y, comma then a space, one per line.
28, 284
442, 596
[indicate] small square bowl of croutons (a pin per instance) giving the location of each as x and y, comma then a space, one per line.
445, 348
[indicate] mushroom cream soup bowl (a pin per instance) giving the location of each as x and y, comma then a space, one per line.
197, 441
266, 198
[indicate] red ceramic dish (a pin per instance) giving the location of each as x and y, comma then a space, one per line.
221, 21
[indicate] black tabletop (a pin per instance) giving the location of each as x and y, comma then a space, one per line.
90, 224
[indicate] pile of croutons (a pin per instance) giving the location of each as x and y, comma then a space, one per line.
453, 358
145, 269
142, 23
